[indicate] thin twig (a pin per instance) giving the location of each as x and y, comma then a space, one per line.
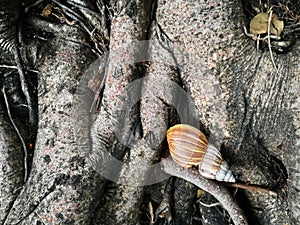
257, 42
269, 40
15, 67
209, 205
252, 188
217, 190
83, 7
18, 133
24, 87
75, 16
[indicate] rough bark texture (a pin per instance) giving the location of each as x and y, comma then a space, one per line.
59, 189
197, 66
11, 165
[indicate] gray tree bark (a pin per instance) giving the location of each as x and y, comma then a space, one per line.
97, 167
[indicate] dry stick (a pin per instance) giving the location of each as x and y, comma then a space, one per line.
15, 67
209, 205
252, 188
24, 86
218, 191
9, 67
18, 133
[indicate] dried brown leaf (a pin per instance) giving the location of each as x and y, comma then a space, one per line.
259, 24
276, 26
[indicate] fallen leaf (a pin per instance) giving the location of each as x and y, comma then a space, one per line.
276, 26
259, 24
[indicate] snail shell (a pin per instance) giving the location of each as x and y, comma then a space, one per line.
189, 147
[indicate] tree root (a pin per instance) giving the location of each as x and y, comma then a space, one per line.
212, 187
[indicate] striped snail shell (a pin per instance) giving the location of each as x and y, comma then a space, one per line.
189, 147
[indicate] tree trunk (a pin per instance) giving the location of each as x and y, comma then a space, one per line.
95, 156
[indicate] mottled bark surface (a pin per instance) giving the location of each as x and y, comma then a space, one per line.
101, 166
